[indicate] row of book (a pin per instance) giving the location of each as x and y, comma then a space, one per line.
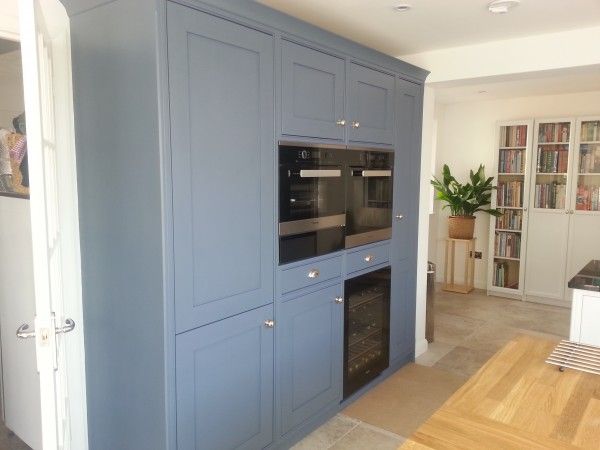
513, 136
553, 160
588, 198
511, 219
589, 158
507, 244
510, 193
550, 195
590, 131
501, 275
554, 132
511, 161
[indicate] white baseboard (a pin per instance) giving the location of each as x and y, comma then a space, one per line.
421, 347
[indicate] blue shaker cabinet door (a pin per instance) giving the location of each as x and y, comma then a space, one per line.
224, 377
311, 354
371, 106
402, 311
313, 85
222, 134
407, 163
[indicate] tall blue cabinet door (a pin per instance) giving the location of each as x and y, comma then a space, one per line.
222, 138
407, 163
224, 375
371, 106
402, 311
407, 166
310, 348
313, 86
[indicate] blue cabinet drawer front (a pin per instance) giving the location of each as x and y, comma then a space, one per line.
310, 274
367, 257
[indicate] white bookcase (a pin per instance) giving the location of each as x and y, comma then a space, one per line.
508, 234
558, 213
548, 216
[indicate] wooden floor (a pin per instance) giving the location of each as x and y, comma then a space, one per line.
517, 401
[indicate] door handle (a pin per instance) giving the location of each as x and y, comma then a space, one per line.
355, 124
314, 273
399, 216
339, 300
369, 258
67, 327
22, 332
340, 122
269, 323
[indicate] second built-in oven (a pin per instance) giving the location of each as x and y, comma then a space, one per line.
311, 201
369, 189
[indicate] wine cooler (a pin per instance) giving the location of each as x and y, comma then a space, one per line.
366, 328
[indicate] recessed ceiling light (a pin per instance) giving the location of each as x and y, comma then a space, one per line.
502, 6
482, 92
402, 7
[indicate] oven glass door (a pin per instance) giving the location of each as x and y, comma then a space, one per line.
369, 197
310, 184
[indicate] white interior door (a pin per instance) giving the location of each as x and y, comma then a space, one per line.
45, 47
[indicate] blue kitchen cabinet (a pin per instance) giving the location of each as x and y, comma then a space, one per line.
224, 375
370, 106
403, 252
222, 110
312, 93
310, 349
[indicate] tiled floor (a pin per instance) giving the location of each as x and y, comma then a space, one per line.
469, 329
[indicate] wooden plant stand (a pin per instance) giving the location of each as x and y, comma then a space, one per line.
469, 271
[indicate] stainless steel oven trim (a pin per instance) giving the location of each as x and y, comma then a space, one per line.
308, 225
312, 145
320, 173
370, 149
354, 240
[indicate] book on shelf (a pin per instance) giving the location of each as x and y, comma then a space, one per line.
509, 193
590, 131
513, 136
554, 132
501, 271
550, 195
511, 219
507, 244
588, 198
589, 158
553, 160
511, 161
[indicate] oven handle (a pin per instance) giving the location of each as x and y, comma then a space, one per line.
320, 173
371, 173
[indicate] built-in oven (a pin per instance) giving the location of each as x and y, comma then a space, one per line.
311, 201
366, 328
369, 191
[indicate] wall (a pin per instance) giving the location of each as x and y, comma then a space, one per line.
11, 88
466, 134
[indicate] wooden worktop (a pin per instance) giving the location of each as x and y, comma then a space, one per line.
517, 401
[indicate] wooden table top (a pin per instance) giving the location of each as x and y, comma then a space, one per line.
517, 401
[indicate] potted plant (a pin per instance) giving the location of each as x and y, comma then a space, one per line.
464, 200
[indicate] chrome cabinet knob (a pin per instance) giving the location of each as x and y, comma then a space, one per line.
314, 273
525, 209
399, 216
369, 258
339, 300
355, 124
340, 122
269, 323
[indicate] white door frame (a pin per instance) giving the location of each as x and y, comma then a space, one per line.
74, 348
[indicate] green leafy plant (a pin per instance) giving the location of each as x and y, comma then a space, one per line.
466, 199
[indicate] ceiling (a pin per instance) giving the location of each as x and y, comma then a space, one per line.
435, 24
549, 82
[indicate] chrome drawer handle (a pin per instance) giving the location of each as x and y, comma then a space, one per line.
355, 124
369, 258
269, 323
399, 216
340, 122
339, 300
314, 273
